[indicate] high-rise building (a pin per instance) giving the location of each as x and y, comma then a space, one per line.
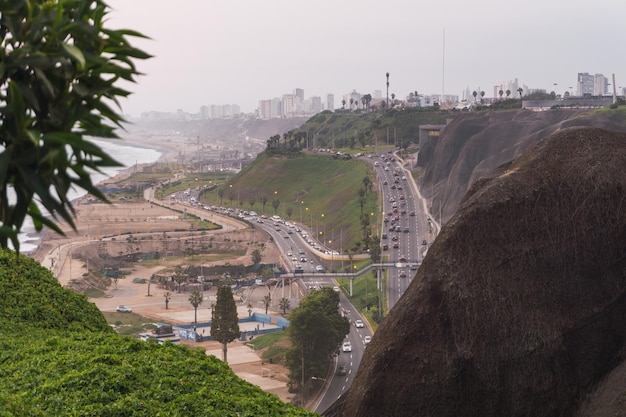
299, 92
289, 105
585, 84
330, 102
600, 85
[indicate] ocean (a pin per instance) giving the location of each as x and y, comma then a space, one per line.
123, 153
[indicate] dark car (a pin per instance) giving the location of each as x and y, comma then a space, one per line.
342, 370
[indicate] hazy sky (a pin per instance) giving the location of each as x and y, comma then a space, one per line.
242, 51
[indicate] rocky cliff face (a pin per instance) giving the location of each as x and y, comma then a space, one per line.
518, 308
472, 145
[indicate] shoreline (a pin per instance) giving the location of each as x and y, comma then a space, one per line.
32, 238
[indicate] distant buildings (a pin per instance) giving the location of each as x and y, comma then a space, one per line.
297, 105
294, 105
591, 85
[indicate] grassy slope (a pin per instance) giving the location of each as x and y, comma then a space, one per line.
59, 357
317, 182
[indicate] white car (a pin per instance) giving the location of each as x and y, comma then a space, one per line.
358, 323
367, 339
124, 309
346, 347
319, 268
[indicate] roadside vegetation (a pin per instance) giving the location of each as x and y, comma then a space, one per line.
316, 329
60, 357
299, 190
371, 302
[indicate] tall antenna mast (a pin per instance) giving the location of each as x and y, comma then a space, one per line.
443, 66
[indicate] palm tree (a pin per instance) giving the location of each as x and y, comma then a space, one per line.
284, 304
267, 300
351, 103
195, 299
167, 296
393, 99
482, 95
257, 257
343, 104
178, 275
508, 93
474, 93
387, 90
500, 93
520, 91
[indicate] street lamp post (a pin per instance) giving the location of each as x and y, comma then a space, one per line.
307, 210
330, 247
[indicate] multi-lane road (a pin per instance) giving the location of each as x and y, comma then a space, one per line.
405, 237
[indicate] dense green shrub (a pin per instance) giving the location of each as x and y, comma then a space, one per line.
58, 357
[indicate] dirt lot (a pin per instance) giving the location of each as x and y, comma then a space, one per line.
69, 257
245, 362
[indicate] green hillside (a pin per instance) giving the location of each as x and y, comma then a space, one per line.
318, 190
58, 357
372, 130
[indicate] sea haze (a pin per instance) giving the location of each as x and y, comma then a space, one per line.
122, 153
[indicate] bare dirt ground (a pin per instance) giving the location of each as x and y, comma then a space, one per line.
96, 222
244, 361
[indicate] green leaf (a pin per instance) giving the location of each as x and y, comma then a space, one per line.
76, 54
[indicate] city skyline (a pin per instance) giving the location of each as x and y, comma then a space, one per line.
241, 53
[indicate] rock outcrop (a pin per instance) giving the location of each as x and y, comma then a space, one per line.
518, 309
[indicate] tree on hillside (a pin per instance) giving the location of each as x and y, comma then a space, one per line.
252, 202
275, 204
316, 328
195, 299
367, 183
225, 323
60, 73
257, 257
289, 212
374, 247
362, 200
263, 202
